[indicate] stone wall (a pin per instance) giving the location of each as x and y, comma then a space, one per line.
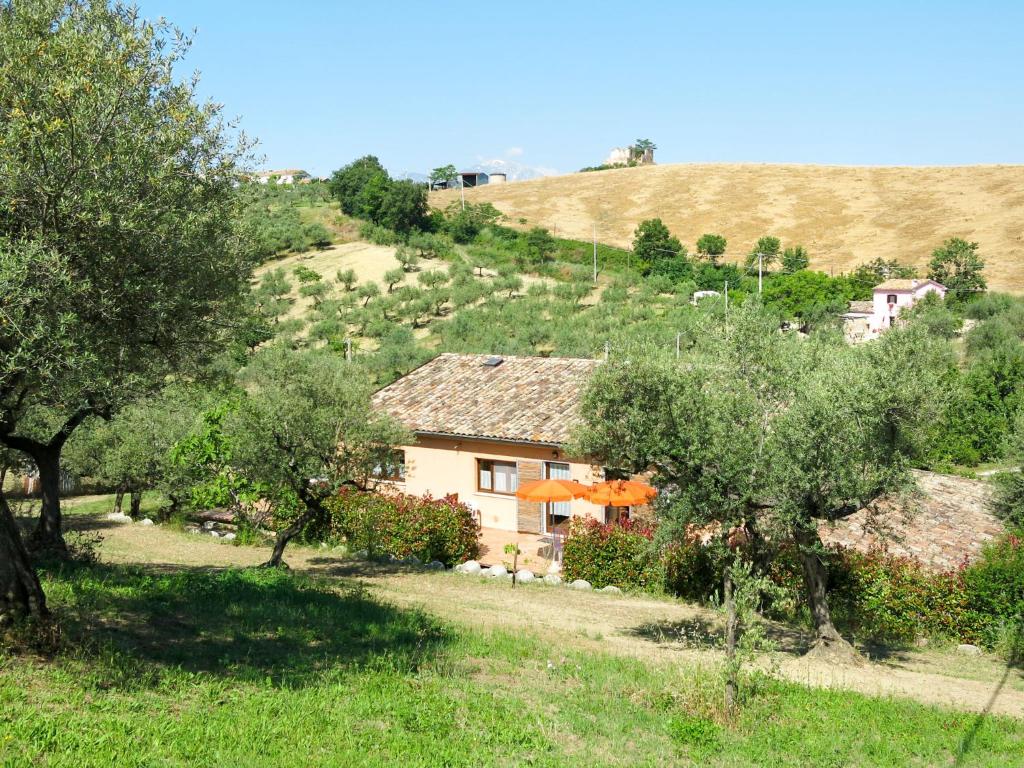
944, 525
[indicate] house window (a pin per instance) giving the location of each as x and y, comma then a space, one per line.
890, 299
497, 476
556, 513
392, 468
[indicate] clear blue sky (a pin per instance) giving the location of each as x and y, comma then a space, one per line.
556, 84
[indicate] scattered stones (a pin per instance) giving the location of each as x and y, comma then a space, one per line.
195, 530
524, 576
553, 579
229, 536
497, 571
146, 521
208, 525
611, 589
471, 568
968, 650
435, 565
214, 534
581, 584
119, 517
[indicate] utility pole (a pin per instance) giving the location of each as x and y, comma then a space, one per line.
760, 269
462, 190
677, 345
348, 349
595, 254
726, 306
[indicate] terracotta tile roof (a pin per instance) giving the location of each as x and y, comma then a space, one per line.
947, 524
862, 307
526, 399
904, 284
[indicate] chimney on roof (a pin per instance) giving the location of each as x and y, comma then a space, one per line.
492, 362
913, 283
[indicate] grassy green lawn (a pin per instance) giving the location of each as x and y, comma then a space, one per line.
248, 667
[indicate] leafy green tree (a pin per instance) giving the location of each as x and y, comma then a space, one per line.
430, 246
540, 246
347, 278
768, 249
407, 257
403, 208
367, 291
810, 297
957, 265
711, 246
444, 174
654, 245
1008, 502
393, 277
431, 279
760, 431
119, 195
869, 274
347, 183
304, 429
795, 259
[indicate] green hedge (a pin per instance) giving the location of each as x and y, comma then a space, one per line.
402, 525
875, 597
622, 555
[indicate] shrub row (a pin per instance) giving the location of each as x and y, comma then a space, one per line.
875, 597
402, 525
620, 555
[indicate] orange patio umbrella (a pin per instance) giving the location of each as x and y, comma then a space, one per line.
551, 490
620, 493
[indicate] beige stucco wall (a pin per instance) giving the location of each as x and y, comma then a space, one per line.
440, 466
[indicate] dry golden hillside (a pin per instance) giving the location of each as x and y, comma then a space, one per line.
844, 215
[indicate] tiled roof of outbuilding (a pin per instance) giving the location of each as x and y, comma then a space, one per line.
524, 399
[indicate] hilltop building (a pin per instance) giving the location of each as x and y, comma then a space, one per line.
286, 176
867, 320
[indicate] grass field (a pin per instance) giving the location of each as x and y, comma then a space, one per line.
843, 215
240, 667
172, 661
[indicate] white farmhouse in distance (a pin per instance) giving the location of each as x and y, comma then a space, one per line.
286, 176
867, 320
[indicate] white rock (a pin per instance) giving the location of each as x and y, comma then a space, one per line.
119, 517
555, 568
146, 521
497, 571
969, 650
525, 575
208, 525
553, 579
611, 589
230, 536
581, 584
471, 567
214, 534
435, 565
194, 530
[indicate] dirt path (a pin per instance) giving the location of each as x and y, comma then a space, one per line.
660, 631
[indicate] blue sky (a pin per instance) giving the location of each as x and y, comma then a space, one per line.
555, 85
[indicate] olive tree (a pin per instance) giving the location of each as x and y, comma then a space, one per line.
117, 183
21, 594
760, 431
303, 429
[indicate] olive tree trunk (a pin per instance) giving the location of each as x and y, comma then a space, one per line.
21, 595
48, 534
731, 667
136, 507
827, 640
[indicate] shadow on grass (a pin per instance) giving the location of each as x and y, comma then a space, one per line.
698, 633
133, 625
348, 567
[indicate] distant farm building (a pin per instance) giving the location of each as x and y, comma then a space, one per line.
498, 178
286, 176
866, 320
473, 178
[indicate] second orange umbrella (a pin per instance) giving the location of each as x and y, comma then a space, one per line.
620, 493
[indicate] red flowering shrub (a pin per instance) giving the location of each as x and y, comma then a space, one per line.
621, 554
402, 525
691, 570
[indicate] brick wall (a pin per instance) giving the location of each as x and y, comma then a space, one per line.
529, 513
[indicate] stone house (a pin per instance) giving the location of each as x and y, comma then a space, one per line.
484, 424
